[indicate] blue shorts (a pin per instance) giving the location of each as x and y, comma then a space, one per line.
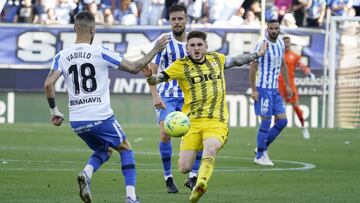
172, 104
99, 135
269, 103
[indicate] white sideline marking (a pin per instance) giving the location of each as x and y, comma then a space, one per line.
4, 167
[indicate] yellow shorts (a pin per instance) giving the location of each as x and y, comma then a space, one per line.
203, 128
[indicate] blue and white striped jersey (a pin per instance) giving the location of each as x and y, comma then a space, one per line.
270, 64
85, 69
174, 50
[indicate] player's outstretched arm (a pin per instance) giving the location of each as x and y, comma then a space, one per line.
136, 66
245, 58
57, 116
153, 79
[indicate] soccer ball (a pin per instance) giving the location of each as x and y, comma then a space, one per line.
176, 124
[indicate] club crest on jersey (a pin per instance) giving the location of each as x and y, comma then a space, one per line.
205, 77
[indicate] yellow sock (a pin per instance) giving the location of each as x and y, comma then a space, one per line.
206, 168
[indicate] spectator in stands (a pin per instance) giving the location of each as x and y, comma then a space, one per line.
42, 16
167, 5
92, 7
238, 17
151, 8
339, 7
255, 7
315, 13
63, 10
251, 19
127, 13
283, 7
298, 8
108, 17
289, 21
27, 13
198, 11
356, 7
51, 16
9, 11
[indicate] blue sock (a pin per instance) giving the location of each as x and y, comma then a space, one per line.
262, 137
97, 159
197, 162
128, 167
166, 152
275, 130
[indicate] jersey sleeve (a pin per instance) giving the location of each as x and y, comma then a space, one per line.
55, 64
112, 58
174, 71
157, 59
257, 48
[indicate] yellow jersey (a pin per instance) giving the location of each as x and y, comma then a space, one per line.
203, 86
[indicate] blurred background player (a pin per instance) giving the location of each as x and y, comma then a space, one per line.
168, 97
292, 60
85, 68
268, 101
201, 77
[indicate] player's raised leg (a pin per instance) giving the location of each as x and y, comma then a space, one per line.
165, 148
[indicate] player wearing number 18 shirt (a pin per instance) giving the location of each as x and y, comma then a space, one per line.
85, 68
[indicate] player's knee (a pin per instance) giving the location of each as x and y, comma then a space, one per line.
281, 123
125, 145
164, 137
183, 167
265, 124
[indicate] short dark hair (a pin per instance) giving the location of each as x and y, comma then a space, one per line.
197, 34
177, 7
272, 21
85, 16
286, 37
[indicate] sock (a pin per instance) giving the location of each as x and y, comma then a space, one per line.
95, 161
299, 114
262, 137
275, 130
128, 167
196, 166
206, 168
130, 192
89, 169
165, 153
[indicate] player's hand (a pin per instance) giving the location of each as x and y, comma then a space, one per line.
262, 50
158, 103
147, 71
255, 95
56, 117
311, 76
161, 43
289, 92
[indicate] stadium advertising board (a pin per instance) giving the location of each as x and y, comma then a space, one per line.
27, 56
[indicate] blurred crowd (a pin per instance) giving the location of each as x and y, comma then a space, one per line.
291, 13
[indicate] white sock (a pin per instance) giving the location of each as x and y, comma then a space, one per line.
89, 169
130, 192
192, 174
166, 177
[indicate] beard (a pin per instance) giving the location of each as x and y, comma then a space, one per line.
178, 33
273, 36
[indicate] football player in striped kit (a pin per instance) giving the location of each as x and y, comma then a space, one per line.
85, 68
268, 101
168, 97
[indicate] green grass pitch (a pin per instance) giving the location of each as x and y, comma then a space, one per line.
39, 164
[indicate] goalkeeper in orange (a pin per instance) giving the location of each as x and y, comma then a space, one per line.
292, 61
